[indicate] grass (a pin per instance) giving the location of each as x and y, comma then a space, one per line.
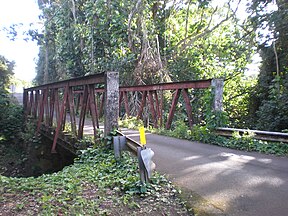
96, 184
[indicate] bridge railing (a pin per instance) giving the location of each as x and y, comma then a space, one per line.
151, 97
257, 134
51, 102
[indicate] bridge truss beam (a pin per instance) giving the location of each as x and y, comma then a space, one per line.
42, 102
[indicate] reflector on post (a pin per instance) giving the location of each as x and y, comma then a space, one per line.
142, 136
147, 155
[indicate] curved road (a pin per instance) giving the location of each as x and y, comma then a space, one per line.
221, 181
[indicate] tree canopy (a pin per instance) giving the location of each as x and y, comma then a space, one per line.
150, 41
269, 100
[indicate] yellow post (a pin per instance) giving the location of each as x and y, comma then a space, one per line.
142, 136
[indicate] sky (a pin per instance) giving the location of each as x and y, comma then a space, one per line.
23, 53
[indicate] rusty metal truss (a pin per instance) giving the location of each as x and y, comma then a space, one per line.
51, 102
152, 98
55, 103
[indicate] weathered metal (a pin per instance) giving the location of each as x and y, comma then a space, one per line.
80, 81
198, 84
188, 106
173, 108
152, 108
51, 102
83, 112
93, 109
143, 102
256, 134
61, 119
126, 103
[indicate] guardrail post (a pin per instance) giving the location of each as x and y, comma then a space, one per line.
120, 144
146, 165
218, 85
111, 102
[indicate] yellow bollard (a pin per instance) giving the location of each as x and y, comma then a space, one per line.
142, 136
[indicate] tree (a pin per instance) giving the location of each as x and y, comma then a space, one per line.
146, 41
269, 103
6, 72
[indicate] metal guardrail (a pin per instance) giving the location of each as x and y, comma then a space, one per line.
261, 135
144, 155
131, 144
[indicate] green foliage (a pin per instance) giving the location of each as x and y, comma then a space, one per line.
95, 184
149, 42
11, 116
268, 103
85, 142
11, 120
244, 142
29, 135
6, 72
272, 114
131, 122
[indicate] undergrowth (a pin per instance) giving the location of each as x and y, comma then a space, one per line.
96, 184
245, 142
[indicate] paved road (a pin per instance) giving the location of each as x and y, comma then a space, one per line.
222, 181
218, 180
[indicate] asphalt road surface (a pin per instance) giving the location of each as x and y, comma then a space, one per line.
221, 181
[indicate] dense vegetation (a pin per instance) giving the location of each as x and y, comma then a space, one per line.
11, 118
269, 100
96, 184
149, 42
158, 41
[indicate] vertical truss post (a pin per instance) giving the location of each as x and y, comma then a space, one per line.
40, 97
57, 105
143, 102
83, 112
31, 102
42, 107
152, 108
46, 107
102, 105
188, 106
51, 107
25, 102
120, 101
158, 111
72, 111
60, 120
161, 108
126, 103
28, 103
36, 103
173, 108
111, 102
93, 109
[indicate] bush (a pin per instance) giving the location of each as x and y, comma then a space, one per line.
11, 120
